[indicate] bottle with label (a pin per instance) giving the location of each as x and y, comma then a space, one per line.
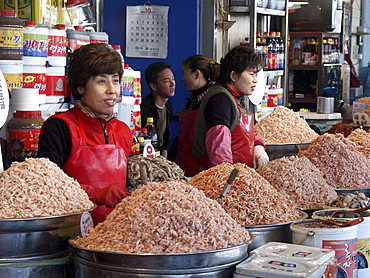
11, 31
152, 132
264, 53
24, 131
35, 44
143, 138
135, 147
280, 58
297, 51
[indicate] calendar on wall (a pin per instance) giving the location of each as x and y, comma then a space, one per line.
147, 31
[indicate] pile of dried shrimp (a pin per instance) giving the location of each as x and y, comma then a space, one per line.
168, 217
37, 187
284, 126
300, 180
362, 140
341, 164
158, 169
251, 200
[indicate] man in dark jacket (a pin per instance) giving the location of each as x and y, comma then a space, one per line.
161, 81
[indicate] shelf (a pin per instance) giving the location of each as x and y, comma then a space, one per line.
303, 100
246, 9
314, 67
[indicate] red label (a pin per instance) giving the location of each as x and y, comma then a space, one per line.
75, 43
55, 85
35, 81
57, 46
346, 255
26, 139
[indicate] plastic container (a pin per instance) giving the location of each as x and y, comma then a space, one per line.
125, 110
272, 100
35, 44
128, 81
137, 86
24, 131
98, 37
341, 239
152, 132
55, 84
11, 33
77, 38
363, 236
137, 117
24, 99
79, 12
35, 77
13, 73
57, 47
117, 47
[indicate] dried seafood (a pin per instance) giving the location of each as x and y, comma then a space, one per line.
168, 217
340, 128
353, 200
283, 126
251, 200
362, 140
341, 164
37, 187
158, 169
300, 180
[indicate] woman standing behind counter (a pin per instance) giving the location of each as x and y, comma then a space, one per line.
88, 142
224, 129
199, 74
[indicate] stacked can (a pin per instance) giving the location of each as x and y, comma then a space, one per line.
57, 61
11, 48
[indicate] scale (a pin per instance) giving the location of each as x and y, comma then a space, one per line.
4, 109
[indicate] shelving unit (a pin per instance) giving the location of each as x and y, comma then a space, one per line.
321, 70
251, 19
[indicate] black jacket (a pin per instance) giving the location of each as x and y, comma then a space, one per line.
149, 109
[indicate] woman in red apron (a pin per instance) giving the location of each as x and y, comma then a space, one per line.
88, 142
199, 74
224, 129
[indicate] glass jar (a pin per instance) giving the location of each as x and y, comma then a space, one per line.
24, 131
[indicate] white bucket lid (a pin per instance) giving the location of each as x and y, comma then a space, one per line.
24, 99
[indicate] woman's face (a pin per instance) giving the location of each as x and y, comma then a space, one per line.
244, 83
101, 93
193, 80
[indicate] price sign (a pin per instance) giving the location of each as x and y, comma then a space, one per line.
86, 223
147, 31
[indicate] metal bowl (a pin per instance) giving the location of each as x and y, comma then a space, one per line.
276, 151
271, 232
31, 237
215, 263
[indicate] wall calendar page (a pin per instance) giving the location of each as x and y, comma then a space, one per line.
147, 31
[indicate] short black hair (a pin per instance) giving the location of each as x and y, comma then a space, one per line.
151, 72
239, 59
89, 61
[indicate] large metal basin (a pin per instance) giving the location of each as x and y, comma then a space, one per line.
276, 151
31, 237
263, 234
217, 263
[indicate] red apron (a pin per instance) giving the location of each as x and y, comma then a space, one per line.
242, 143
184, 157
99, 166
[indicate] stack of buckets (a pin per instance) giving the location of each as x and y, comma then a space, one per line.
351, 243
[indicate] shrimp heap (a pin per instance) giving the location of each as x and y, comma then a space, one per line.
37, 187
284, 126
168, 217
301, 180
341, 164
362, 140
251, 200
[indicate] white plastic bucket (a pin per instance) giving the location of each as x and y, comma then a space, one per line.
363, 238
13, 73
55, 84
57, 47
341, 239
35, 77
35, 44
24, 99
